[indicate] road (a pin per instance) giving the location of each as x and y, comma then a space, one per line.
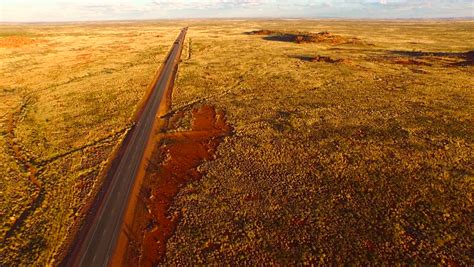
99, 242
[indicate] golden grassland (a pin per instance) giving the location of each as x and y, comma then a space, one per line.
367, 157
67, 97
362, 156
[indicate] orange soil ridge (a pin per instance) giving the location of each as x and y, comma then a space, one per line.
17, 41
173, 165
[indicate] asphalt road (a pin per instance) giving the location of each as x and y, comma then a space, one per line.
100, 241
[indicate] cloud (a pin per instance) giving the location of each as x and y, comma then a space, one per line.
209, 4
390, 8
60, 10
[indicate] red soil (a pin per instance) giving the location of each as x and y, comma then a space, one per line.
174, 164
17, 41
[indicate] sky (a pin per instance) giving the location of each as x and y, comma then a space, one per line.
86, 10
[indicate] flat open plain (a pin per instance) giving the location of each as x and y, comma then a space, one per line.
67, 97
351, 146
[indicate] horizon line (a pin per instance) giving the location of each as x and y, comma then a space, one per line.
236, 18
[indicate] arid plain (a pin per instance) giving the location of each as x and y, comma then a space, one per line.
68, 93
352, 144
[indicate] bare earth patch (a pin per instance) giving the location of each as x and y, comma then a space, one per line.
174, 164
18, 41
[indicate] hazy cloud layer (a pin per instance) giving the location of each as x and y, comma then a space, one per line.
200, 5
60, 10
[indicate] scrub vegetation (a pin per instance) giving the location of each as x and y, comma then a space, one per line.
342, 151
67, 97
325, 142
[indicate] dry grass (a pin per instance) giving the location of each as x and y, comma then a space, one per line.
367, 160
67, 96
